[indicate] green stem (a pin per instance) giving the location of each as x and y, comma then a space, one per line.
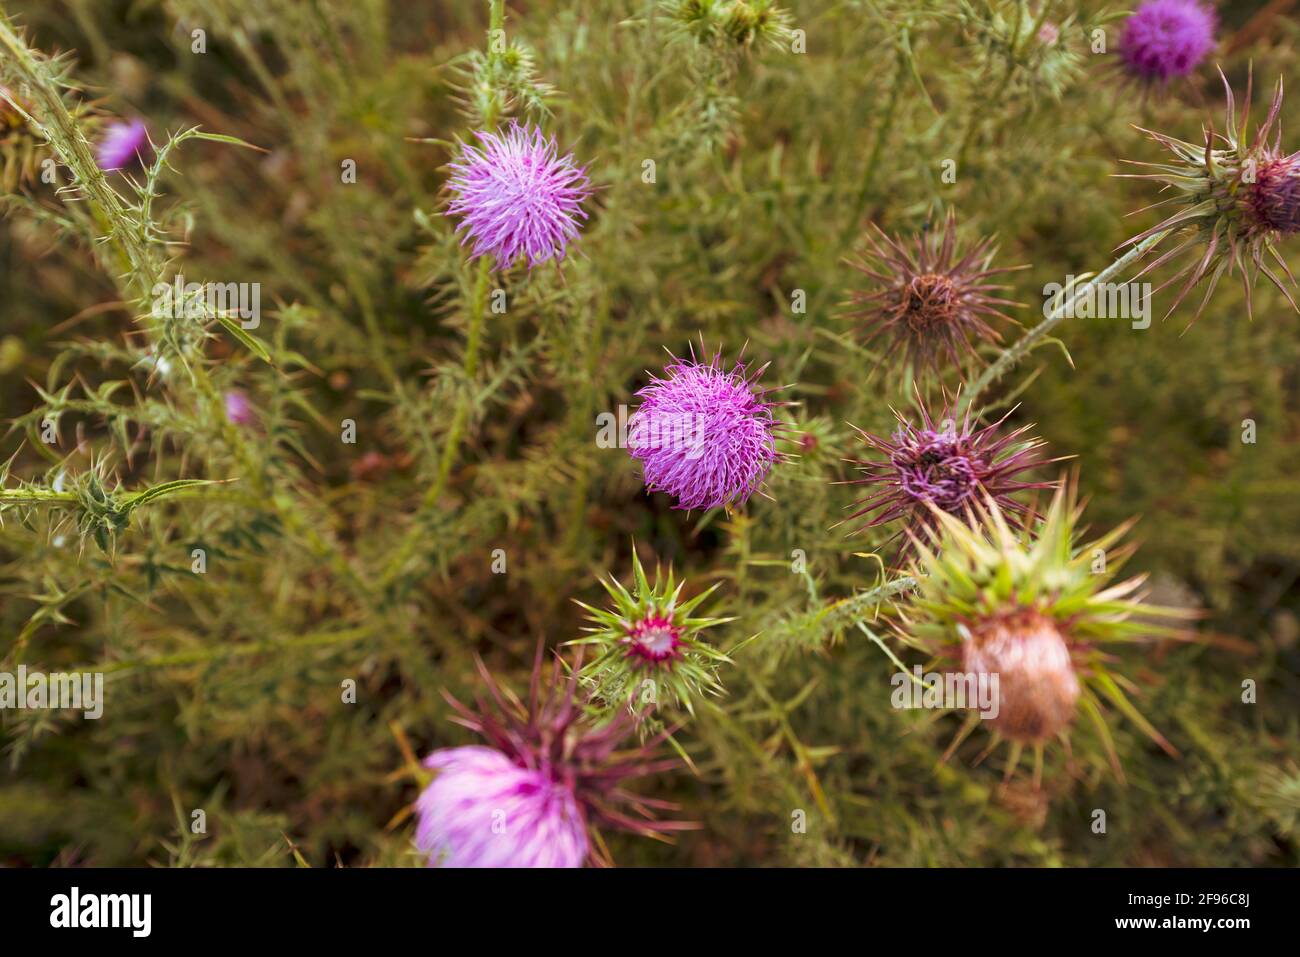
1012, 355
883, 127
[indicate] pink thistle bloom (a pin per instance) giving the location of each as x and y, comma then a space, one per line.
1166, 39
549, 774
483, 810
704, 435
654, 639
123, 143
517, 198
238, 409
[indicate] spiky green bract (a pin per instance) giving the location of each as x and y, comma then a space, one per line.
647, 647
1235, 198
977, 577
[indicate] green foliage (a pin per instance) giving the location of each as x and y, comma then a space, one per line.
734, 176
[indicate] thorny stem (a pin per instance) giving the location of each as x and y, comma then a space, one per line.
142, 268
478, 305
1023, 346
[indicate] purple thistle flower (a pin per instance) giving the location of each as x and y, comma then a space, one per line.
1166, 39
238, 409
549, 774
946, 467
483, 810
517, 197
933, 300
123, 143
703, 434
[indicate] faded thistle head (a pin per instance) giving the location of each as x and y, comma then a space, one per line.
938, 464
1039, 610
1167, 39
1234, 197
647, 644
705, 434
932, 303
549, 775
516, 197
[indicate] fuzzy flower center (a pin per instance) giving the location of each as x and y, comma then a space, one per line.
929, 300
654, 639
933, 467
1275, 194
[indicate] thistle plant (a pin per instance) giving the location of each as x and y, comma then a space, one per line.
1235, 197
1039, 609
1167, 39
548, 778
943, 466
931, 303
648, 649
705, 434
283, 537
517, 197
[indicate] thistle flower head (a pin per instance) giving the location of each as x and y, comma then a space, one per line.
1233, 198
517, 197
1166, 39
1037, 609
123, 143
549, 774
941, 465
647, 644
933, 302
704, 434
480, 797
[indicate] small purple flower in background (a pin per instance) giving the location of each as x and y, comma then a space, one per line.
1167, 39
704, 435
549, 774
946, 466
517, 198
238, 409
123, 144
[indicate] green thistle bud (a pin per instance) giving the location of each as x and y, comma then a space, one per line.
647, 647
1037, 613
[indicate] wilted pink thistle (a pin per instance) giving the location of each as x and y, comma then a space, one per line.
704, 434
238, 409
933, 300
123, 143
517, 198
549, 774
945, 464
1167, 39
